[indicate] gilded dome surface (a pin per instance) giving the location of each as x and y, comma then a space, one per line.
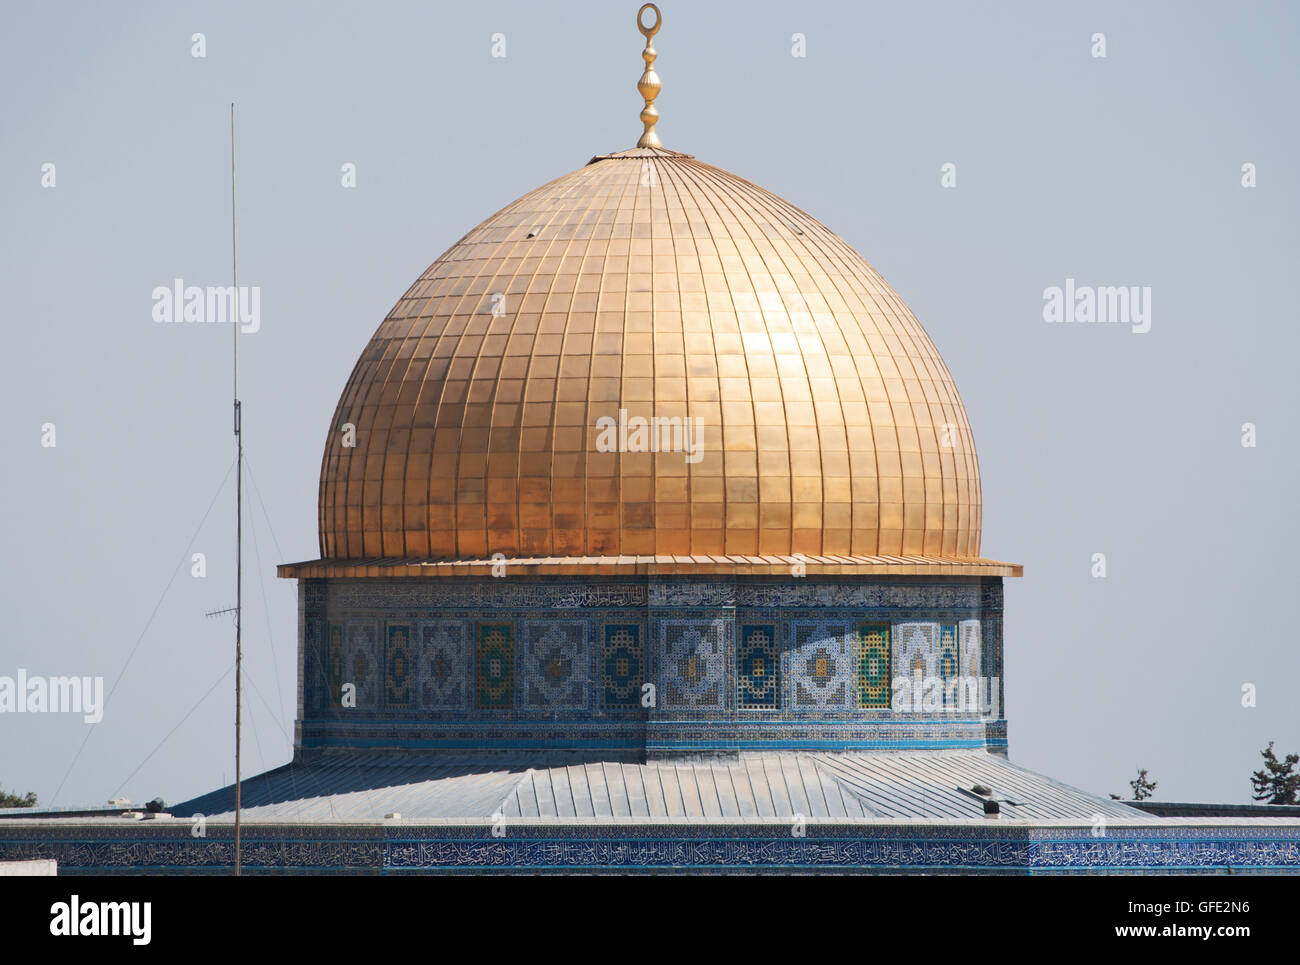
798, 405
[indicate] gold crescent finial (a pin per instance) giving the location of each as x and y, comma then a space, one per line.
648, 86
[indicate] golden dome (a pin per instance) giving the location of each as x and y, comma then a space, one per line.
813, 413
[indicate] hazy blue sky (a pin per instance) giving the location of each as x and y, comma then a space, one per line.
1092, 439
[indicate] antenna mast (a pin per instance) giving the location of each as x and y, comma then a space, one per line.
239, 494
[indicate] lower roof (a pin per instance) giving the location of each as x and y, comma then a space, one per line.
917, 786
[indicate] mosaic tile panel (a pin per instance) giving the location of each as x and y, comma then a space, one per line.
622, 666
969, 637
874, 679
694, 669
398, 678
494, 666
916, 649
334, 665
759, 660
361, 662
991, 654
821, 665
443, 665
315, 666
947, 661
554, 667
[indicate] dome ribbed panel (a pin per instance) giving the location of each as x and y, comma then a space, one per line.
672, 290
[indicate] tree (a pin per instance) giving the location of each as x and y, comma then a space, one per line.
8, 800
1142, 788
1278, 782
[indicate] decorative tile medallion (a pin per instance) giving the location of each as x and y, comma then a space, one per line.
694, 667
443, 665
494, 666
916, 649
397, 666
622, 666
821, 665
554, 667
759, 660
874, 683
361, 663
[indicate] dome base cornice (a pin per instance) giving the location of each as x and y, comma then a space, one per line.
864, 566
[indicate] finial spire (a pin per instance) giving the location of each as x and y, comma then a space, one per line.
648, 86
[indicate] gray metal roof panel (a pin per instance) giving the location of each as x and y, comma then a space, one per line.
920, 785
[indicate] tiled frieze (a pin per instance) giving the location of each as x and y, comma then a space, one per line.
480, 673
746, 847
497, 594
522, 593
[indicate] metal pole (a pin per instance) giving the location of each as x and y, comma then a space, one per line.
239, 497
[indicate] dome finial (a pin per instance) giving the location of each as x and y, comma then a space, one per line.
648, 86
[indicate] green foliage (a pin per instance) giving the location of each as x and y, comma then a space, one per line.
8, 800
1277, 783
1142, 788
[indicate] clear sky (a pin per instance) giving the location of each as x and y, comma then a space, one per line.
1122, 170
